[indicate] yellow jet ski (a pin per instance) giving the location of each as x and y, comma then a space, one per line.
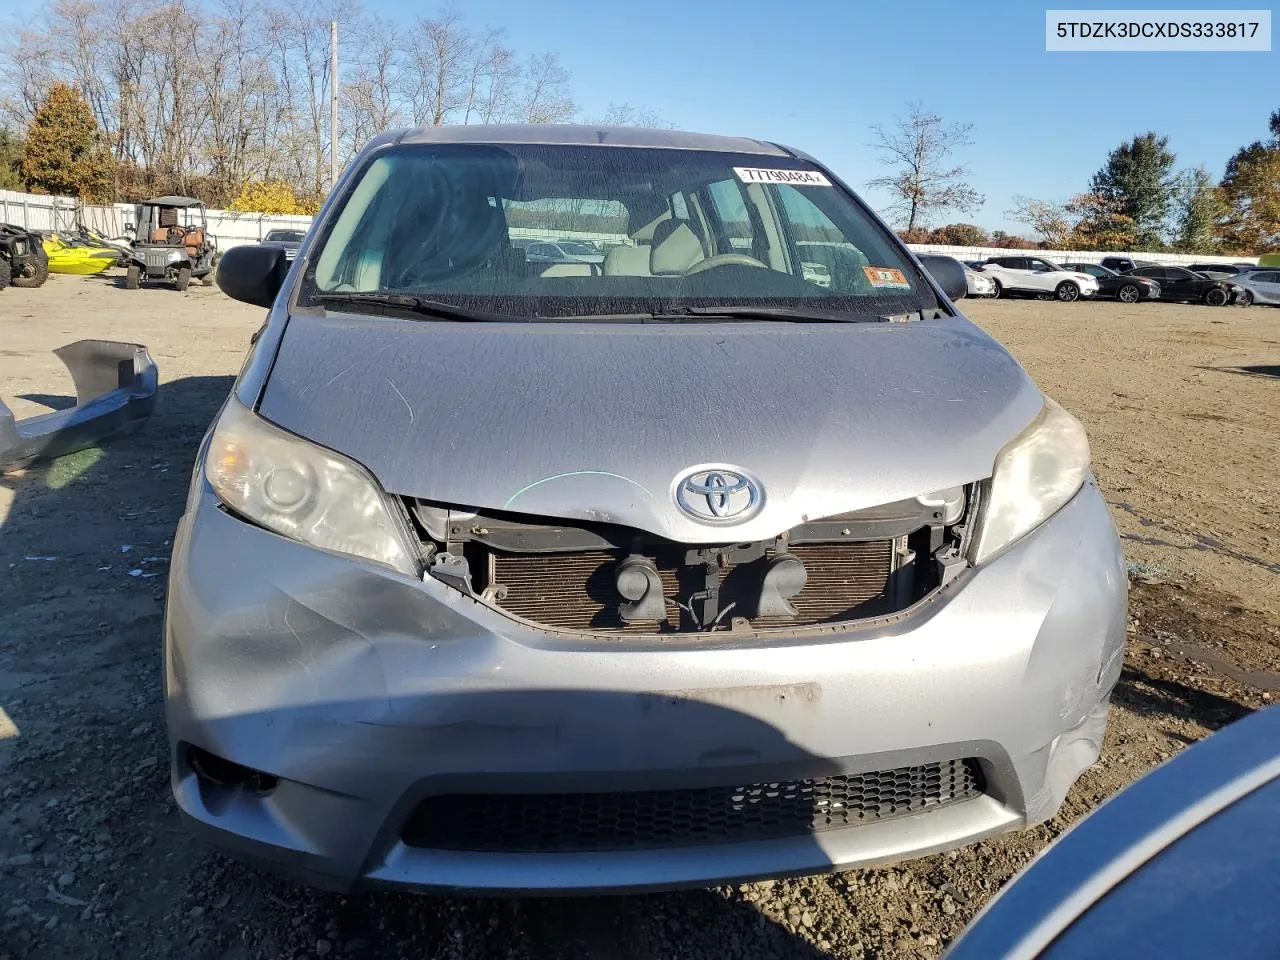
74, 259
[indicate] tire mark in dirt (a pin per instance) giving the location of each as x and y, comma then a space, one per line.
1203, 543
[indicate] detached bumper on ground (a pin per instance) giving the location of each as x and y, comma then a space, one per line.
390, 731
115, 392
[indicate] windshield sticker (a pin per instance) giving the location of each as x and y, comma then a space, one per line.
799, 178
886, 277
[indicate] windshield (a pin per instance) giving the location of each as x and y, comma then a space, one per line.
285, 236
655, 230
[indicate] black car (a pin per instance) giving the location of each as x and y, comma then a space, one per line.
291, 240
1125, 264
1231, 268
23, 262
1181, 285
1116, 286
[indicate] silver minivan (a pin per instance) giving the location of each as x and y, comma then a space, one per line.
677, 568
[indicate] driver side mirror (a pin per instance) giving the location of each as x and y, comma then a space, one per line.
947, 272
252, 273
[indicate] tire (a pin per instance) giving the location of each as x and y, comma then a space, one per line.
6, 273
1067, 292
997, 290
133, 277
38, 276
1216, 297
1129, 293
1244, 300
184, 279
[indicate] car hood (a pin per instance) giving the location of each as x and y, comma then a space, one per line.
595, 422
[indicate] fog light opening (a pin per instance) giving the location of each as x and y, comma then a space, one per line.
216, 770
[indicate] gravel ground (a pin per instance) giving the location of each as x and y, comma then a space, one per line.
93, 860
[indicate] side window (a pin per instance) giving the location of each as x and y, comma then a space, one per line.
1040, 266
736, 232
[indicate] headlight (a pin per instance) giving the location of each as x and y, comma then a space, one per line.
1035, 474
303, 491
174, 255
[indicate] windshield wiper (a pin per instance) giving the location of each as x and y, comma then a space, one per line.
407, 303
788, 314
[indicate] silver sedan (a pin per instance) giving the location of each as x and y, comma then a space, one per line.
1258, 286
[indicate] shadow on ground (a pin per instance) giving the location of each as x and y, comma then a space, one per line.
94, 861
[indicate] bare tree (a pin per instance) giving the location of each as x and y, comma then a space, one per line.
545, 98
919, 148
1051, 222
627, 115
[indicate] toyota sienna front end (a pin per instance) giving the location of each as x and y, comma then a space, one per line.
680, 567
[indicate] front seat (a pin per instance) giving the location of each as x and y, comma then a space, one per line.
628, 261
675, 249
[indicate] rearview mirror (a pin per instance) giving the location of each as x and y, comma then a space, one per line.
947, 272
252, 273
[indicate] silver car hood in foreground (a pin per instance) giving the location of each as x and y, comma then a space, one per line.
596, 421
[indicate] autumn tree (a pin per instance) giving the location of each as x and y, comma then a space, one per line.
1100, 223
1251, 195
272, 196
10, 160
924, 181
1137, 182
1051, 222
64, 151
960, 235
1200, 209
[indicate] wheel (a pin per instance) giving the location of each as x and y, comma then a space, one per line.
1129, 293
997, 290
1216, 297
39, 272
1243, 300
6, 273
184, 278
133, 277
1067, 292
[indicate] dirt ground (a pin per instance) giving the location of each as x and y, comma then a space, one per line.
1180, 403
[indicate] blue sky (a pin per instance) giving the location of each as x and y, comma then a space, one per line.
816, 74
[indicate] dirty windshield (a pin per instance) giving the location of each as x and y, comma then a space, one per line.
556, 231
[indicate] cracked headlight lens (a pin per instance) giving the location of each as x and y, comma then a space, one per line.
303, 491
1035, 474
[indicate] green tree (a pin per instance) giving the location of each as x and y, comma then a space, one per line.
65, 152
1199, 206
1251, 195
960, 235
10, 160
1101, 223
1137, 182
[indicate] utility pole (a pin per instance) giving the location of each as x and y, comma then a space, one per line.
333, 104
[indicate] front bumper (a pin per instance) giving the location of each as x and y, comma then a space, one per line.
366, 691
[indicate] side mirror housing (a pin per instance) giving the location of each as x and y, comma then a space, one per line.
252, 273
947, 272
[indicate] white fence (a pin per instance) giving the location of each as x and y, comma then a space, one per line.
1073, 256
35, 212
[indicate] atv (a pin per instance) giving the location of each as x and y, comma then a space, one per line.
172, 245
23, 262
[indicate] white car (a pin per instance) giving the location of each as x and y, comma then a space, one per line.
979, 285
1036, 275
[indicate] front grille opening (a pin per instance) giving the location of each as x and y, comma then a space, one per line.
654, 819
217, 771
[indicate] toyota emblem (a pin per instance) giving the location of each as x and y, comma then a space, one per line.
718, 494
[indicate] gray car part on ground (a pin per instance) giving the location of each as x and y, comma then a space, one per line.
115, 392
1182, 861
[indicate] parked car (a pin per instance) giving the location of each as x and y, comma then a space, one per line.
1226, 269
816, 272
563, 251
288, 240
1125, 264
1185, 286
1115, 286
976, 285
1258, 286
691, 570
23, 262
1179, 865
1036, 275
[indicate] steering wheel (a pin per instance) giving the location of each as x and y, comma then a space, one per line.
725, 260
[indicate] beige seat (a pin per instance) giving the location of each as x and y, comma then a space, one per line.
675, 249
568, 270
628, 261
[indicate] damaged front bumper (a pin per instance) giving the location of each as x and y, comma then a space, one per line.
115, 392
352, 698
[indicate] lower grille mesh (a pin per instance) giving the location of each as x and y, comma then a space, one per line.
576, 591
550, 823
